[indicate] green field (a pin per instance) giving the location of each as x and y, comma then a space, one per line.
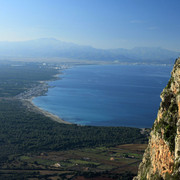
108, 162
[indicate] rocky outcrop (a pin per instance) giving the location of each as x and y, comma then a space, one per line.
161, 159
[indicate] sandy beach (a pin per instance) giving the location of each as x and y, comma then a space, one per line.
39, 90
31, 107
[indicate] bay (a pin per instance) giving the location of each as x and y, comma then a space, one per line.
107, 95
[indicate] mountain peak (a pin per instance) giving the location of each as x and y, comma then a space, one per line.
47, 39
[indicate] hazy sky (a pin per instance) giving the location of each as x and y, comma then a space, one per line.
99, 23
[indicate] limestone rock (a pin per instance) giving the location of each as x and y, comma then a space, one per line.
161, 159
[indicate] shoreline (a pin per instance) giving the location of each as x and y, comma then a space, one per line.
38, 90
32, 107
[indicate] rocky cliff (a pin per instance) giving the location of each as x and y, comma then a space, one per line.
161, 159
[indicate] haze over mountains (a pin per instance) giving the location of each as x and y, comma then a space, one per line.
53, 48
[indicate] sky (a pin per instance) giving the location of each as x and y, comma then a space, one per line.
102, 24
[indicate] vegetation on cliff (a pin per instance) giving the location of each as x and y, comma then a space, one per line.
161, 159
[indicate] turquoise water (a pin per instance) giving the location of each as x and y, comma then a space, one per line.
110, 95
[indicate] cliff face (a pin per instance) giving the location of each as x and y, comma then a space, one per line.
161, 159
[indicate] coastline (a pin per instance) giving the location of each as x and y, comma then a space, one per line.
38, 90
32, 107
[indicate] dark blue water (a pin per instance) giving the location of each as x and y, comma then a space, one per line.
111, 95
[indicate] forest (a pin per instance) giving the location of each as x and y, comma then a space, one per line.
23, 131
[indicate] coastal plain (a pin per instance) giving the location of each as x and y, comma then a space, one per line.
26, 133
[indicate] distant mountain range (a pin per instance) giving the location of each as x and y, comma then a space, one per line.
53, 48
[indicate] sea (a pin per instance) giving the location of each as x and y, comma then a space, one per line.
107, 95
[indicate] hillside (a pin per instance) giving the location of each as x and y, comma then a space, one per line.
161, 159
